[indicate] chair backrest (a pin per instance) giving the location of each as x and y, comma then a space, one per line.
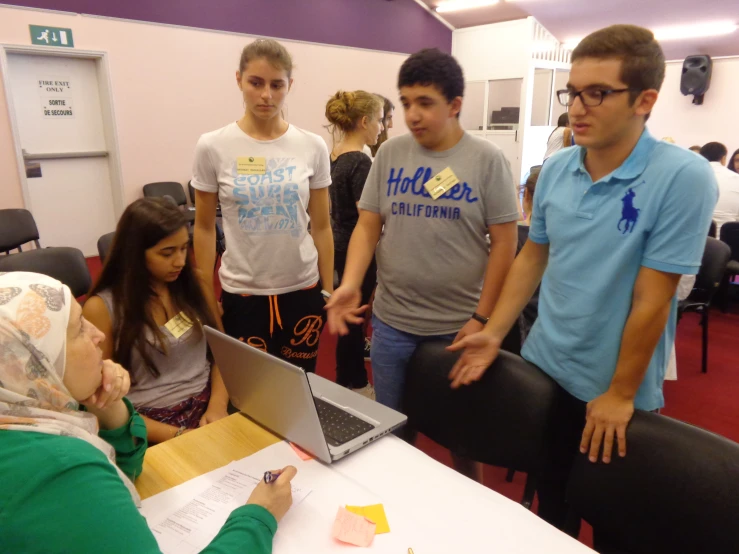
715, 257
500, 420
104, 244
712, 230
677, 490
730, 235
17, 227
191, 192
65, 264
166, 188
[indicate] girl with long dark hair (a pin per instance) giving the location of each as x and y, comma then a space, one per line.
150, 304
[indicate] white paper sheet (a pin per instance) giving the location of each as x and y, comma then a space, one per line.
190, 525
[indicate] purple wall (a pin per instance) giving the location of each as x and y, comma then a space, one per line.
391, 25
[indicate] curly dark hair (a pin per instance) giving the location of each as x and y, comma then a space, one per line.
432, 67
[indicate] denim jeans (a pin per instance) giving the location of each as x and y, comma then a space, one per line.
391, 351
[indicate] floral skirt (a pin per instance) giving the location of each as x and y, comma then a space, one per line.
185, 414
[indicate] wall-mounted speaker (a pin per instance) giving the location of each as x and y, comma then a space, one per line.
696, 77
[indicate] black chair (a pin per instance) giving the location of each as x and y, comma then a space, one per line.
17, 227
715, 257
677, 490
104, 244
500, 420
220, 236
65, 264
712, 230
191, 192
166, 188
730, 235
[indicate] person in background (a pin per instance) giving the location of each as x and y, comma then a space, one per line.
151, 305
531, 310
727, 208
388, 110
356, 117
72, 443
560, 138
272, 180
695, 148
733, 163
604, 329
438, 276
684, 288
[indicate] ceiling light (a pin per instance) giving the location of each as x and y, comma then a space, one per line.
457, 5
682, 32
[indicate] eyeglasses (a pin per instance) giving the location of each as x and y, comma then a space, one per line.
590, 97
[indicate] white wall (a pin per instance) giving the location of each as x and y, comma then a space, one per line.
561, 76
172, 84
717, 119
472, 116
497, 51
542, 96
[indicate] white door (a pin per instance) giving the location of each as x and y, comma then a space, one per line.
58, 113
508, 143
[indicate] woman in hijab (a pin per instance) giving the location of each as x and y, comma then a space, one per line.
71, 442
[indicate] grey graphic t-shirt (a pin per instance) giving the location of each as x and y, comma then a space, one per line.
432, 255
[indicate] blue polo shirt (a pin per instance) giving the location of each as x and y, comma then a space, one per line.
653, 211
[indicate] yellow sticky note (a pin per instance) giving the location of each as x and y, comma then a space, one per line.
178, 325
251, 165
441, 182
375, 513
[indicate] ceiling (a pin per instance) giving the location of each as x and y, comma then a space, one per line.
573, 19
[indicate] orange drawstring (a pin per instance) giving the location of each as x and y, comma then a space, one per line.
274, 311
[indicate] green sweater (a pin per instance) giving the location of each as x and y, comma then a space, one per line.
60, 494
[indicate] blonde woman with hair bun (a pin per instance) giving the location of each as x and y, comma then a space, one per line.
355, 121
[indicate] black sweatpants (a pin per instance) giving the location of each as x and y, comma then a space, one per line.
350, 369
286, 325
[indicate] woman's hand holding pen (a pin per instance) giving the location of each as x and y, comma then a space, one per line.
275, 496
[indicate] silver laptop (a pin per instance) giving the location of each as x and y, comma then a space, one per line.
321, 417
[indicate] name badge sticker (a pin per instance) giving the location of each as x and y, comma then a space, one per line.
251, 165
178, 325
441, 183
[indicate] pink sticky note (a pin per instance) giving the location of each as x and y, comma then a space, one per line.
353, 529
300, 452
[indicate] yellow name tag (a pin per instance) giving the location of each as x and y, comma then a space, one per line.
441, 182
250, 165
178, 325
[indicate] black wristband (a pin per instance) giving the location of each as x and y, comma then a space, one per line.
479, 318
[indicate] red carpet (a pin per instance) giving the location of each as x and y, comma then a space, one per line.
706, 400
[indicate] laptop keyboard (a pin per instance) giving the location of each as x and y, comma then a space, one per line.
339, 426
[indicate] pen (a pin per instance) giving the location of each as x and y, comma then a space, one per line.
270, 476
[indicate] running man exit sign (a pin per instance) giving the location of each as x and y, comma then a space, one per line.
51, 36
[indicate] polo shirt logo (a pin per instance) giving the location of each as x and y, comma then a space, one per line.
629, 214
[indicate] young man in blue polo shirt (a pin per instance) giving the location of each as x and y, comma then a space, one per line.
617, 220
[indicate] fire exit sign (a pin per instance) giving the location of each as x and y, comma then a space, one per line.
51, 36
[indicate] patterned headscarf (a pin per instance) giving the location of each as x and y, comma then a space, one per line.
34, 314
